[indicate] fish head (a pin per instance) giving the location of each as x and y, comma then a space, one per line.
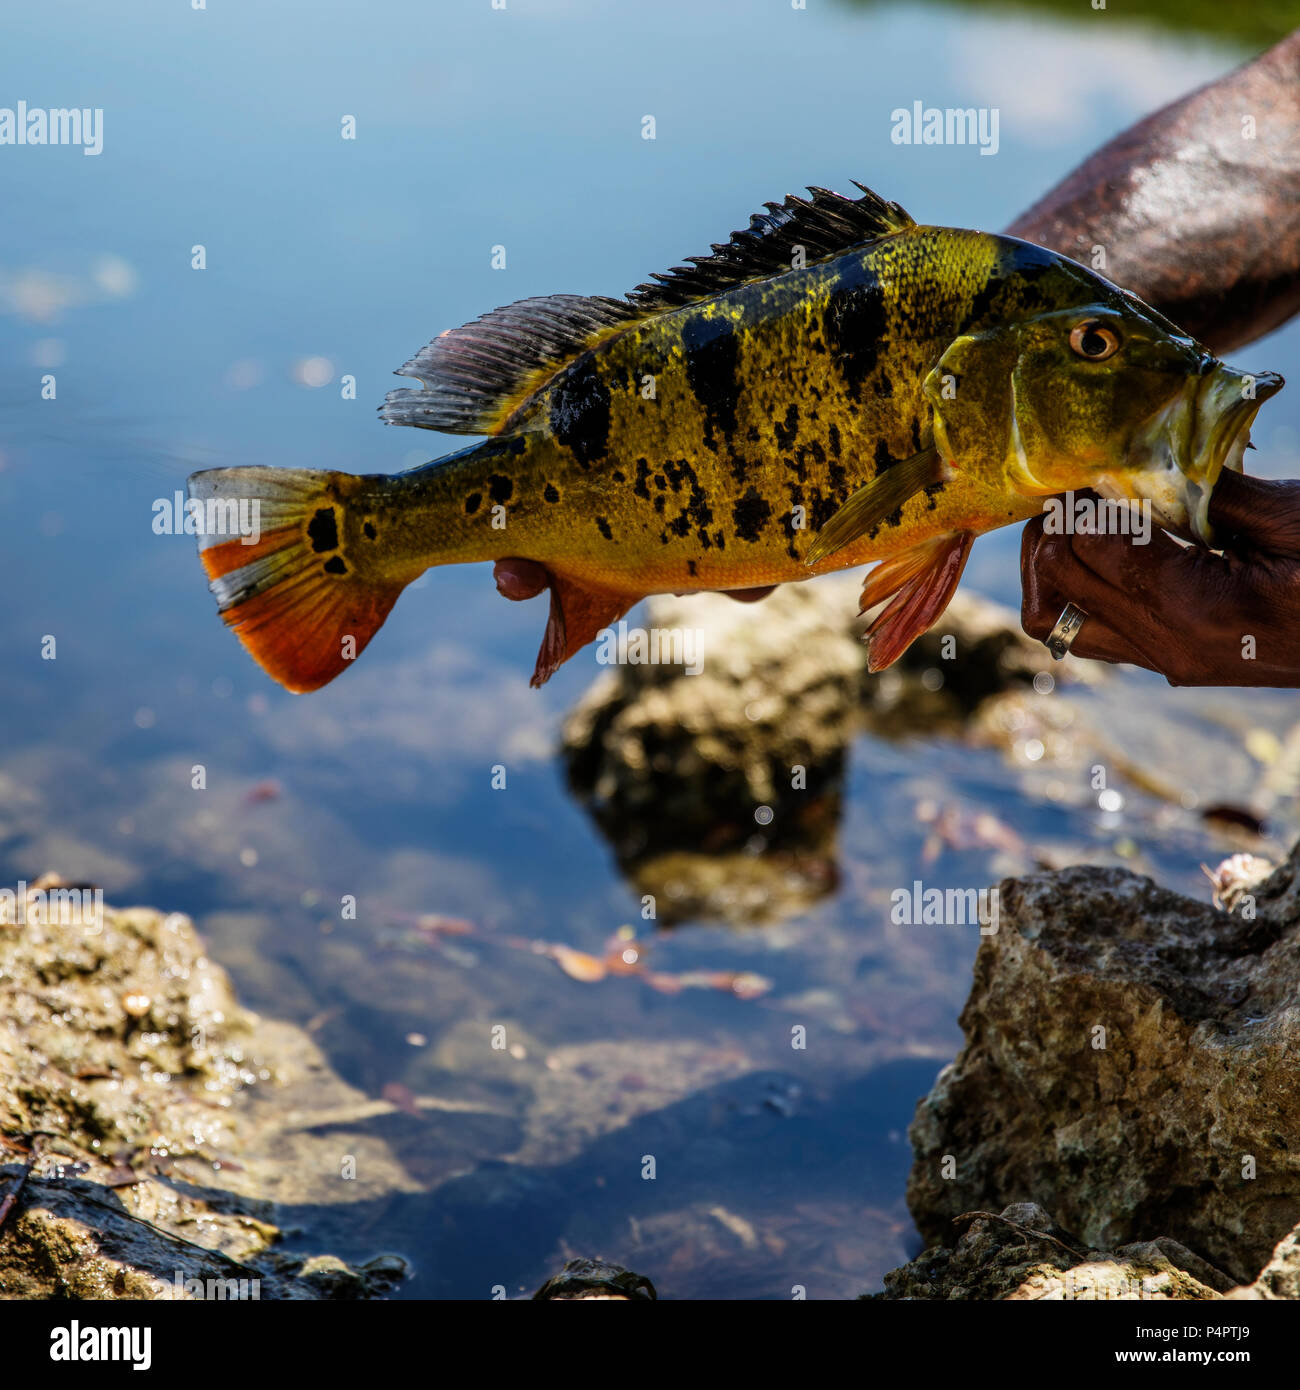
1108, 394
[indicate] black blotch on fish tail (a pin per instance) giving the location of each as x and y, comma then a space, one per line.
712, 356
855, 321
323, 529
750, 515
580, 412
335, 566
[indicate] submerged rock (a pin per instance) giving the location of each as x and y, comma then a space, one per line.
147, 1120
584, 1280
1132, 1063
721, 791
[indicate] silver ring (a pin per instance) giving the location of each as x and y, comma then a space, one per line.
1061, 638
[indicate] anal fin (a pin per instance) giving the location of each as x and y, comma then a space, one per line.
922, 581
578, 613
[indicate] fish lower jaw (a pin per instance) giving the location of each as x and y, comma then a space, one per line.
1166, 493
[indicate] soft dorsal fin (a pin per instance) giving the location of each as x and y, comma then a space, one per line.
474, 377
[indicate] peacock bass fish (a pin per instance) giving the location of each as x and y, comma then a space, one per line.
833, 385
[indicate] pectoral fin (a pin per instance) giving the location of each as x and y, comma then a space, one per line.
578, 613
922, 581
879, 499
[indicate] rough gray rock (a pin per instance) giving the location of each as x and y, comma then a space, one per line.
1022, 1254
146, 1120
1280, 1277
1132, 1063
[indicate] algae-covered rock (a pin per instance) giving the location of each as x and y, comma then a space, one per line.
146, 1120
1132, 1063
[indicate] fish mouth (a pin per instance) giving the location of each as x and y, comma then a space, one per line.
1178, 456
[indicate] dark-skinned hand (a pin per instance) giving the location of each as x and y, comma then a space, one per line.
1196, 616
524, 579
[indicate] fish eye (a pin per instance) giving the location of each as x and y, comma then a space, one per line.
1094, 340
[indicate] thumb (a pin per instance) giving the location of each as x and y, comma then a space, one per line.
1256, 514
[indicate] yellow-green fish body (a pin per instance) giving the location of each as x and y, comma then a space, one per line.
834, 385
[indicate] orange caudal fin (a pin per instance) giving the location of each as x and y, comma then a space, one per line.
274, 544
922, 581
578, 613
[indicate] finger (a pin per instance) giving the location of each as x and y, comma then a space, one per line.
520, 579
1037, 594
740, 595
1062, 569
1256, 513
1096, 640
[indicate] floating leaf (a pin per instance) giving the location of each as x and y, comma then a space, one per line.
578, 965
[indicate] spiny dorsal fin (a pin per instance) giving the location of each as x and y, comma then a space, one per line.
827, 226
475, 376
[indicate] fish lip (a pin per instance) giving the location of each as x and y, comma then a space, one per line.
1220, 436
1178, 456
